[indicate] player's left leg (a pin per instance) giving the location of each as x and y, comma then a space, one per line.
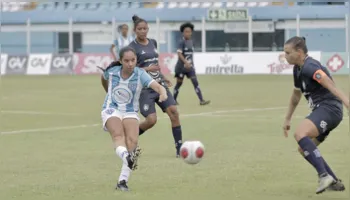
191, 74
318, 125
305, 131
169, 106
337, 185
179, 81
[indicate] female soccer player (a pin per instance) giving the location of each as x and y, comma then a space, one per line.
184, 65
147, 58
119, 112
315, 82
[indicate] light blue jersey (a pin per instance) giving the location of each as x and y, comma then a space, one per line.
124, 94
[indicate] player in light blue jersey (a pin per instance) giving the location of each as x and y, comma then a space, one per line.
123, 84
123, 40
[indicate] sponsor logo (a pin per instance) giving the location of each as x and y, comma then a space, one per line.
122, 95
335, 63
280, 66
3, 64
16, 64
90, 63
39, 64
225, 67
61, 64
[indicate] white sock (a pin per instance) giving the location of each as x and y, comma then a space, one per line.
122, 152
124, 173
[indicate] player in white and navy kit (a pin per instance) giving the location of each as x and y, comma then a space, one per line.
147, 58
123, 40
314, 81
123, 84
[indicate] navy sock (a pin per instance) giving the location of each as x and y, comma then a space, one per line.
197, 89
328, 169
177, 134
141, 131
313, 155
176, 89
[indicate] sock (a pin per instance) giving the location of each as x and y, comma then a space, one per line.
176, 89
197, 89
141, 131
328, 169
122, 152
124, 173
177, 133
313, 155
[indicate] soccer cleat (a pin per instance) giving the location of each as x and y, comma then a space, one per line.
178, 147
324, 182
131, 162
203, 103
336, 186
122, 186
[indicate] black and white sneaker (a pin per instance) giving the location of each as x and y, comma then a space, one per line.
122, 186
337, 185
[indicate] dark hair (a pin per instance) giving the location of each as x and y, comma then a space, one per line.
124, 50
137, 20
186, 25
121, 26
121, 54
298, 43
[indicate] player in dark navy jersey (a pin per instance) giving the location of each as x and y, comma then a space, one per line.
147, 58
184, 66
326, 102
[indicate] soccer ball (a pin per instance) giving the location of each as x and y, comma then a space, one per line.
192, 152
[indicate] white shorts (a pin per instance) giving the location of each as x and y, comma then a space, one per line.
112, 112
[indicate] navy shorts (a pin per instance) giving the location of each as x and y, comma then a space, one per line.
189, 73
149, 97
326, 117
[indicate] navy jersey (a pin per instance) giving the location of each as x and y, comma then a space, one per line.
306, 79
186, 48
147, 55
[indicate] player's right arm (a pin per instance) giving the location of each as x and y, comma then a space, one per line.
180, 48
111, 50
148, 81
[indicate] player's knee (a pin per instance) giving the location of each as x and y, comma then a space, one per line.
179, 81
300, 135
173, 114
151, 120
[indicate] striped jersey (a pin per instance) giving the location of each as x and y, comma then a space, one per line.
124, 94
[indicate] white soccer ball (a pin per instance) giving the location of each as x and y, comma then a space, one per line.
192, 152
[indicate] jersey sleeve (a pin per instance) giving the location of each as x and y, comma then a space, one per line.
106, 74
145, 78
295, 75
155, 43
313, 71
180, 46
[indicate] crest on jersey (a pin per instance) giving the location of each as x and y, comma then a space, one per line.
109, 111
132, 86
318, 76
145, 107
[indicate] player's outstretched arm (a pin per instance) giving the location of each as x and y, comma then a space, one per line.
160, 90
293, 103
326, 82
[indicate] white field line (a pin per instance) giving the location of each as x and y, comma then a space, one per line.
23, 112
93, 125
